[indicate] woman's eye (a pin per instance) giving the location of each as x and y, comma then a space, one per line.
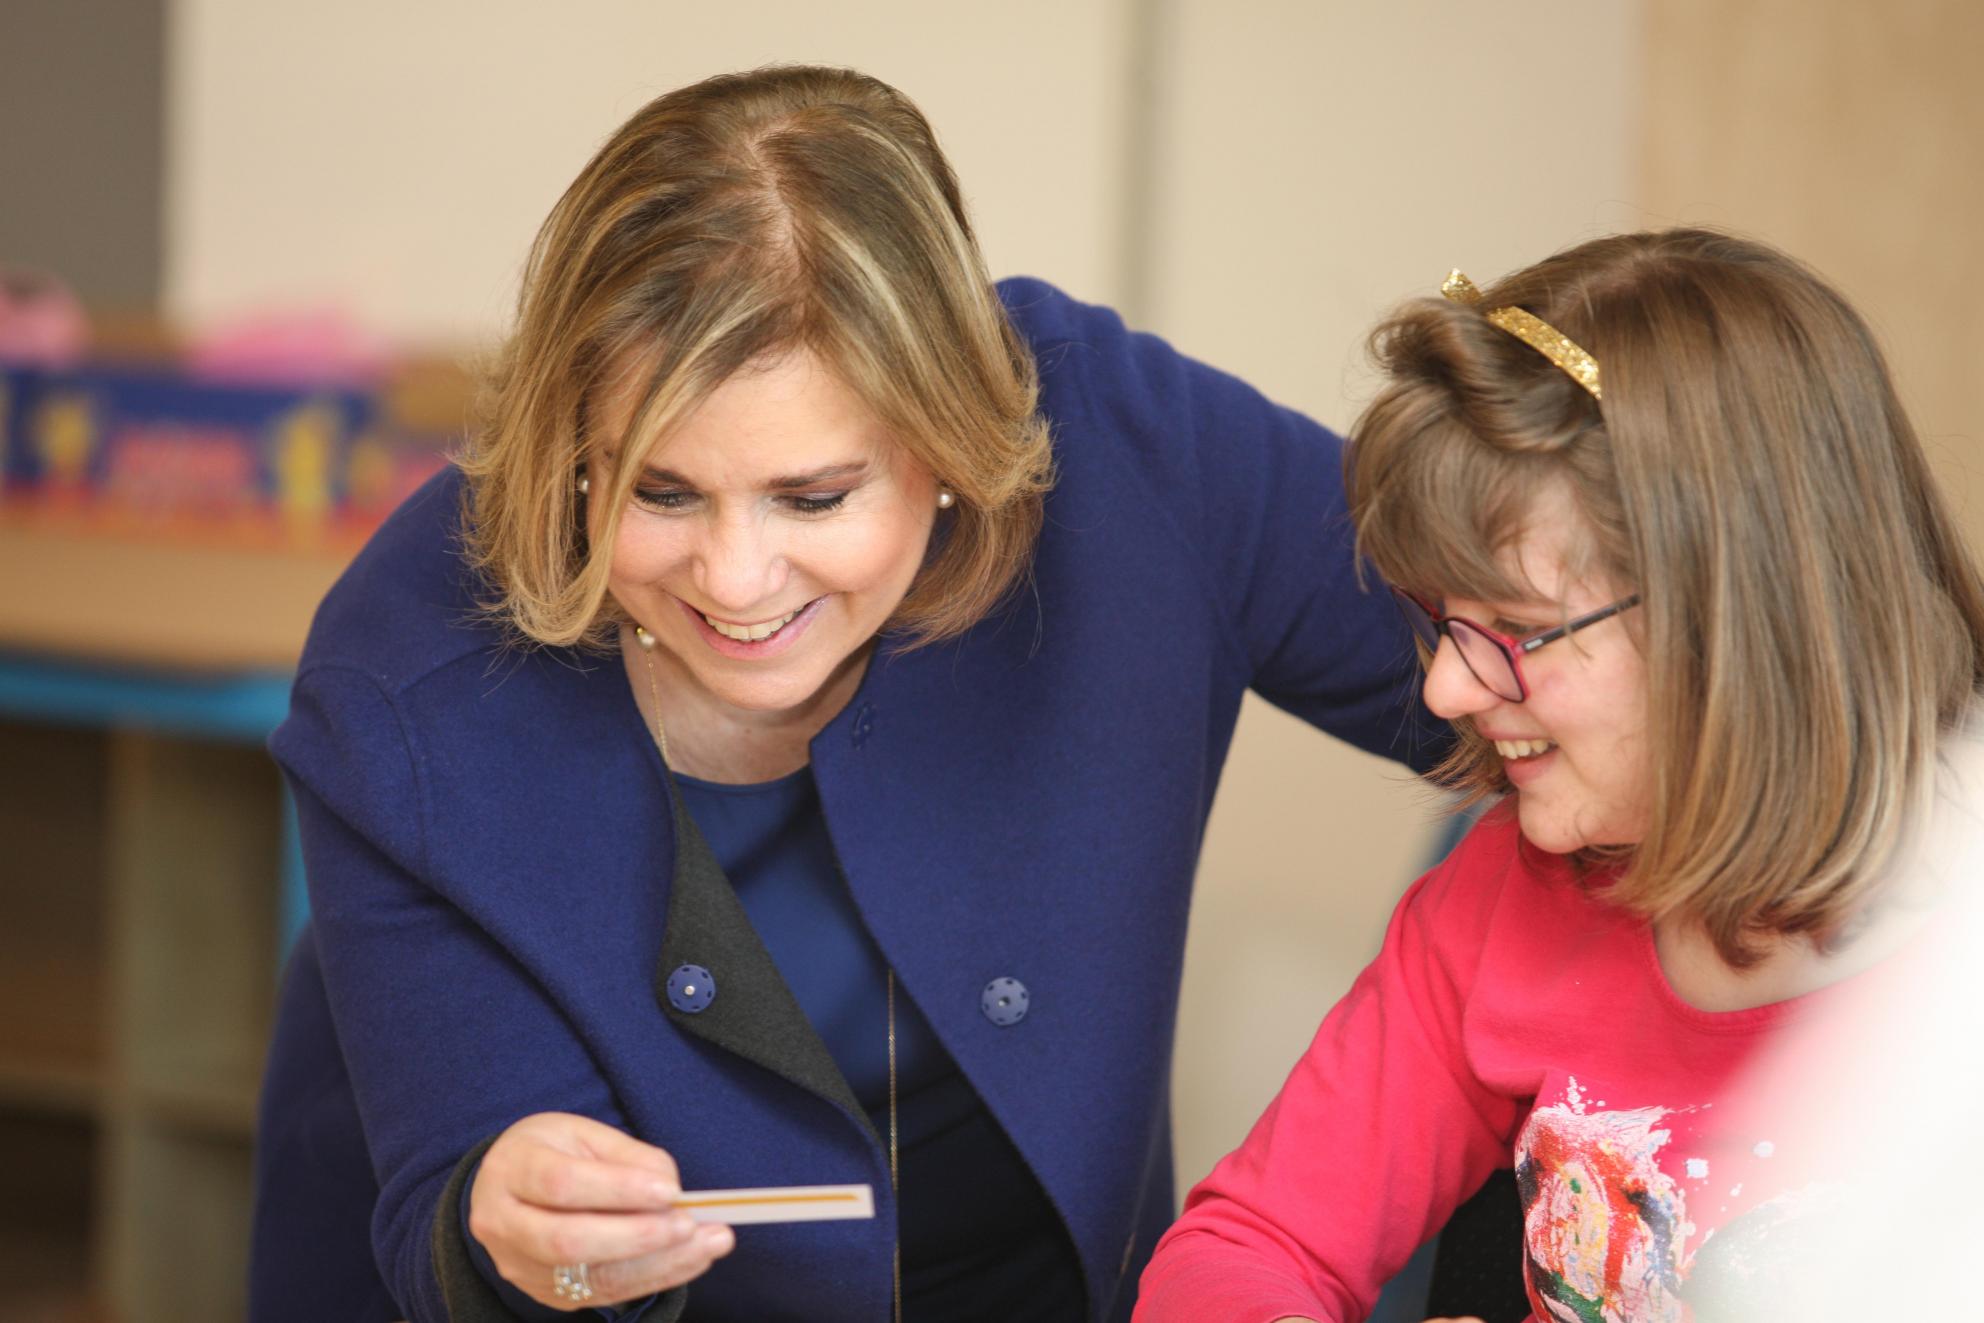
816, 504
673, 498
1515, 629
677, 499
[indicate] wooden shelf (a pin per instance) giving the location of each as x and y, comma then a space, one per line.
45, 1279
54, 955
53, 1087
178, 1224
216, 1108
68, 1304
174, 605
139, 912
46, 1267
139, 936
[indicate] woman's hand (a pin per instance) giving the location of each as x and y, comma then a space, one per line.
556, 1189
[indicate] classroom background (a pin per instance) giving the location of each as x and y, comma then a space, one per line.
252, 248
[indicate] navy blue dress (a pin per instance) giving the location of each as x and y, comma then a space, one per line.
979, 1239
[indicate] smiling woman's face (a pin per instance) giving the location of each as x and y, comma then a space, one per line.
770, 536
1591, 783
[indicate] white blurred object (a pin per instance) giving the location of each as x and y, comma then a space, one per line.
1892, 1082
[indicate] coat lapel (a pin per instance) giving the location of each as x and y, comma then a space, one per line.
753, 1014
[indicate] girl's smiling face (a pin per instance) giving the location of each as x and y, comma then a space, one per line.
771, 535
1592, 784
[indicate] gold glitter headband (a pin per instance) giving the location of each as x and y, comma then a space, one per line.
1533, 331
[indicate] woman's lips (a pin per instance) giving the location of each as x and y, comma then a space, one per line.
761, 649
1522, 771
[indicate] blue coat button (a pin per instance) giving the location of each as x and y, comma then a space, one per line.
1003, 1001
690, 988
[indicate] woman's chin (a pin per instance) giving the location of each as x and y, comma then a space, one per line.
767, 696
1545, 829
1548, 830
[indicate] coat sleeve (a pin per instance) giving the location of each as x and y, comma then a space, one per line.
1379, 1133
447, 1039
1257, 490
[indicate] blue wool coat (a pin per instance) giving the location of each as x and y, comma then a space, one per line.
500, 888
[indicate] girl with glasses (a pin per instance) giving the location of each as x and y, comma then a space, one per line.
1683, 583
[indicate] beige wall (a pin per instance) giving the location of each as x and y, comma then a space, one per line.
396, 158
1852, 135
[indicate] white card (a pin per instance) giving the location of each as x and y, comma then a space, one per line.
779, 1203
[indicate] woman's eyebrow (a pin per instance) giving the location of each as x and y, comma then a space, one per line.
829, 473
789, 482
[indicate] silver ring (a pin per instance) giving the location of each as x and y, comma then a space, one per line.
572, 1281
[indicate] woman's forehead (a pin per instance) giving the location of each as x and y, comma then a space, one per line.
774, 418
1545, 556
1534, 553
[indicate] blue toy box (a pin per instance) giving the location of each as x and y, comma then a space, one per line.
143, 451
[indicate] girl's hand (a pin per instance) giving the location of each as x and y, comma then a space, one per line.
560, 1190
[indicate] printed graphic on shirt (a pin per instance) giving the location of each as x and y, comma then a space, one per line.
1604, 1225
1623, 1222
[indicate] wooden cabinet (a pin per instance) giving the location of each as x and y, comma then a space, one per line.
143, 914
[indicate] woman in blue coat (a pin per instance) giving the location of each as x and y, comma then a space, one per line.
778, 755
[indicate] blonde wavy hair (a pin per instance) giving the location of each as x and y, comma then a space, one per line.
726, 223
1812, 621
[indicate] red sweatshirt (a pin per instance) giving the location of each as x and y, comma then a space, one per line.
1512, 1016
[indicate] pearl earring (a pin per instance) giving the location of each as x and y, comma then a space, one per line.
585, 484
946, 498
642, 637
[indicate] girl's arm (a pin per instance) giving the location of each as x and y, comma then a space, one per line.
1380, 1132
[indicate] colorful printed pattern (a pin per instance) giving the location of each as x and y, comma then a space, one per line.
1604, 1225
1609, 1234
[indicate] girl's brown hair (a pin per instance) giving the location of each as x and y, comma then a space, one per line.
724, 224
1812, 622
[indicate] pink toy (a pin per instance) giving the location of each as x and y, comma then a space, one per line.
310, 347
41, 323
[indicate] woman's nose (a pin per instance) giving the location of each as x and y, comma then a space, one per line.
738, 568
1451, 689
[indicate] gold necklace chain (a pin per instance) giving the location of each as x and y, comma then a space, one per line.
646, 643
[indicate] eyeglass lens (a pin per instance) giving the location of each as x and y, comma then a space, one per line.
1485, 657
1423, 625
